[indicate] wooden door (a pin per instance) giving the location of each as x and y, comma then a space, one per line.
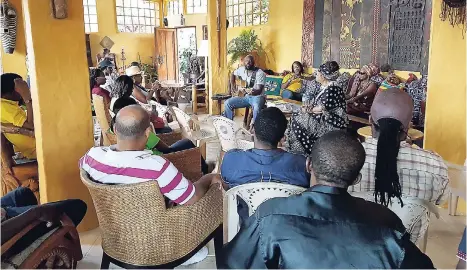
166, 53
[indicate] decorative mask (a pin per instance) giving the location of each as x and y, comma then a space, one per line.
8, 24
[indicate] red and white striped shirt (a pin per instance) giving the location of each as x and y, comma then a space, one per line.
105, 165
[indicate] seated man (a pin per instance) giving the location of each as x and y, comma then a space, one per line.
15, 92
392, 166
325, 227
265, 162
255, 79
128, 162
154, 143
139, 92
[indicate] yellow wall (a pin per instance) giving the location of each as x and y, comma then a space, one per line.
133, 43
445, 117
281, 36
197, 20
16, 62
61, 101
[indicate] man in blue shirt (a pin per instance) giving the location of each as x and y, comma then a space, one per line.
265, 162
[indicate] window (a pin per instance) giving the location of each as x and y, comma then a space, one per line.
136, 16
175, 7
90, 16
158, 14
197, 6
247, 12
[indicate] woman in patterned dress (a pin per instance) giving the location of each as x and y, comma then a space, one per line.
324, 113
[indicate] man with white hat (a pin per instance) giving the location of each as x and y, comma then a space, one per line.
139, 92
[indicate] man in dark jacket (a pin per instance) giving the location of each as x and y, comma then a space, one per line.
325, 227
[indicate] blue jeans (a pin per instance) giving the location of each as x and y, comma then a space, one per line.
256, 102
291, 95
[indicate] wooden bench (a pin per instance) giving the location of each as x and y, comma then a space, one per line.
357, 119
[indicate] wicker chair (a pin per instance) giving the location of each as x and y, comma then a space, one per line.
138, 230
103, 117
17, 175
58, 248
253, 194
191, 129
415, 215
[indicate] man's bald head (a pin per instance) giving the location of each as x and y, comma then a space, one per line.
131, 123
393, 103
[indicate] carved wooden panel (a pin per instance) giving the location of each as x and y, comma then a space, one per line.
406, 34
357, 32
308, 30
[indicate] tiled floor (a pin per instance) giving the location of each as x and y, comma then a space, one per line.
443, 238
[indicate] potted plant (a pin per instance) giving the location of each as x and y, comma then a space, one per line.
246, 43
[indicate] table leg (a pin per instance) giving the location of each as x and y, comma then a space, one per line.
452, 204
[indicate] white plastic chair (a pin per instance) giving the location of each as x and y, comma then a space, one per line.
457, 185
228, 132
253, 194
191, 129
415, 215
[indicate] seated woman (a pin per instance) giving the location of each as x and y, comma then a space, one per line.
325, 112
292, 82
362, 90
15, 92
97, 79
154, 143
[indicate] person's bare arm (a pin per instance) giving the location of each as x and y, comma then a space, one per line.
369, 91
150, 95
203, 185
23, 90
288, 82
139, 95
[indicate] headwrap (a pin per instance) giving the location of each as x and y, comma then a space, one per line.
330, 70
106, 63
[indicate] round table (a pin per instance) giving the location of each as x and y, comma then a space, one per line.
413, 134
220, 98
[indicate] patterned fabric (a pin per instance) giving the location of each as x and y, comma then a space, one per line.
422, 174
8, 24
105, 165
461, 249
305, 128
329, 72
417, 90
311, 88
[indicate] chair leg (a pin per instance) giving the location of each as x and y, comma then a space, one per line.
105, 264
218, 244
424, 241
452, 204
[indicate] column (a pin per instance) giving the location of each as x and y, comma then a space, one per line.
217, 60
61, 101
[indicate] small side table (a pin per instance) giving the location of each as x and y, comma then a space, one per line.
220, 98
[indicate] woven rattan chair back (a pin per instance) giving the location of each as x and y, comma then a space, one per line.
138, 229
253, 194
102, 115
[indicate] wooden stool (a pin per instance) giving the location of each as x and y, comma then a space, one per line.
196, 92
413, 134
220, 98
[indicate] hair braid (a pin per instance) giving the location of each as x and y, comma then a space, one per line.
387, 184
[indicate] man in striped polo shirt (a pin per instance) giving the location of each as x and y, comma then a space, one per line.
128, 162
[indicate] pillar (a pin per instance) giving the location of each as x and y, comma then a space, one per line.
446, 109
61, 101
217, 60
16, 62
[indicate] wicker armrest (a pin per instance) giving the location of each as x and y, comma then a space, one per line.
9, 128
170, 138
196, 222
188, 162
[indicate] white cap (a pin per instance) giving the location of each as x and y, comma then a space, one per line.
132, 71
